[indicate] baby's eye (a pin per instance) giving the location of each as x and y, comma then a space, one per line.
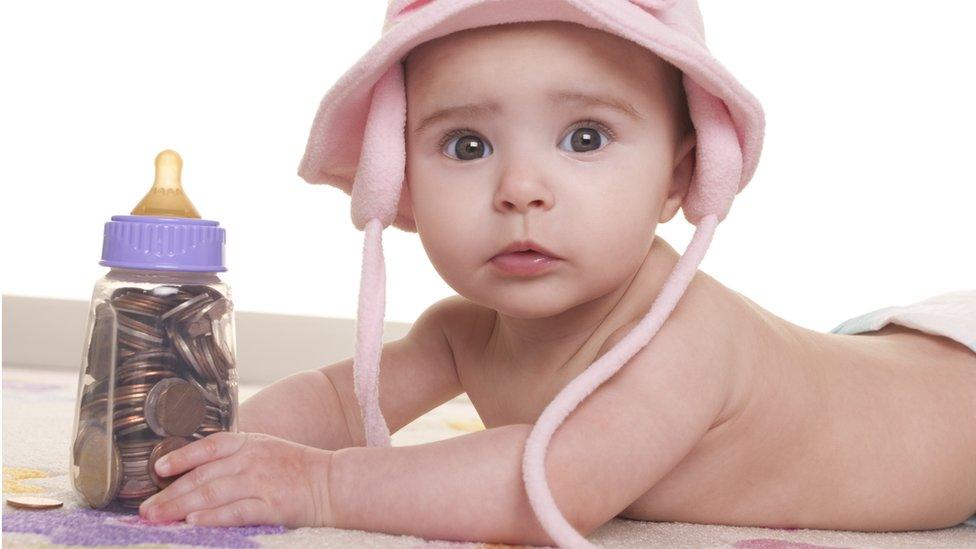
465, 145
586, 136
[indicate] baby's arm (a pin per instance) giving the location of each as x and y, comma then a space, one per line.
616, 445
318, 407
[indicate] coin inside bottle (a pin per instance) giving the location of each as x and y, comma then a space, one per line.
166, 446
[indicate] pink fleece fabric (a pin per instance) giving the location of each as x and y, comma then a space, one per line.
365, 112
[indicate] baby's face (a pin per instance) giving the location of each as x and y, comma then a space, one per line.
586, 180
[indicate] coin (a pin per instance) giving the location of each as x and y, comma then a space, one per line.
138, 487
184, 307
196, 289
143, 338
145, 376
202, 321
199, 327
136, 368
81, 433
132, 342
99, 468
208, 394
94, 404
102, 346
203, 357
134, 455
221, 307
186, 353
32, 502
133, 429
141, 304
174, 407
132, 446
223, 353
129, 422
166, 446
153, 355
132, 389
146, 298
141, 327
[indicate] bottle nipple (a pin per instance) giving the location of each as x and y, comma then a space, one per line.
166, 197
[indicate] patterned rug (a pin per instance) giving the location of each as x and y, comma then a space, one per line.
38, 408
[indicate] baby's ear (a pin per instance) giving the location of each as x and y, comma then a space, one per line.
684, 169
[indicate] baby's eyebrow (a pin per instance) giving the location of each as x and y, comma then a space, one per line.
489, 108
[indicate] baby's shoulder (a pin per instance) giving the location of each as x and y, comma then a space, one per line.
713, 332
708, 321
462, 320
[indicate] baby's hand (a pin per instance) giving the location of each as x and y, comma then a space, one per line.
244, 479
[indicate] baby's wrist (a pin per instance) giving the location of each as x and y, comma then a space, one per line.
320, 474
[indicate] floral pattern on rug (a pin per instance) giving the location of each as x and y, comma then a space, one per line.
89, 527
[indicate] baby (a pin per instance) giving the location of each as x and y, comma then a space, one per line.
729, 415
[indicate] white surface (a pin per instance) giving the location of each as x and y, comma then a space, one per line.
858, 202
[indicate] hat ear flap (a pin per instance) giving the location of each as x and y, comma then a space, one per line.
382, 160
375, 197
718, 156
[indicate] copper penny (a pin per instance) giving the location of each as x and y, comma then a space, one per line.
99, 468
166, 446
31, 502
101, 348
174, 407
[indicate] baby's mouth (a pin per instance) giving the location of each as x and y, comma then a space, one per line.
523, 263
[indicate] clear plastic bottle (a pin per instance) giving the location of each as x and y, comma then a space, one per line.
159, 364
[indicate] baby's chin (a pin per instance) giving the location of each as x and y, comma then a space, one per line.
530, 309
528, 299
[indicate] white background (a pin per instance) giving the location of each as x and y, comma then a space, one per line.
864, 196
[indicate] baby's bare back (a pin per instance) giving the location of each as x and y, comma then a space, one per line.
868, 432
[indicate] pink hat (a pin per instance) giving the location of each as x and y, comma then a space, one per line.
365, 111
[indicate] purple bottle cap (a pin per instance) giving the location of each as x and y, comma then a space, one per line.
163, 244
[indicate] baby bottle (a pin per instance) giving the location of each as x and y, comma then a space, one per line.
158, 369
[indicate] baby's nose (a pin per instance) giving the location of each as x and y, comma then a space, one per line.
523, 193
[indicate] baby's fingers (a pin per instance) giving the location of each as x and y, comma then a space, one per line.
208, 496
243, 512
198, 477
216, 446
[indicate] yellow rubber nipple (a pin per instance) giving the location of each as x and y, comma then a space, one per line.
166, 197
